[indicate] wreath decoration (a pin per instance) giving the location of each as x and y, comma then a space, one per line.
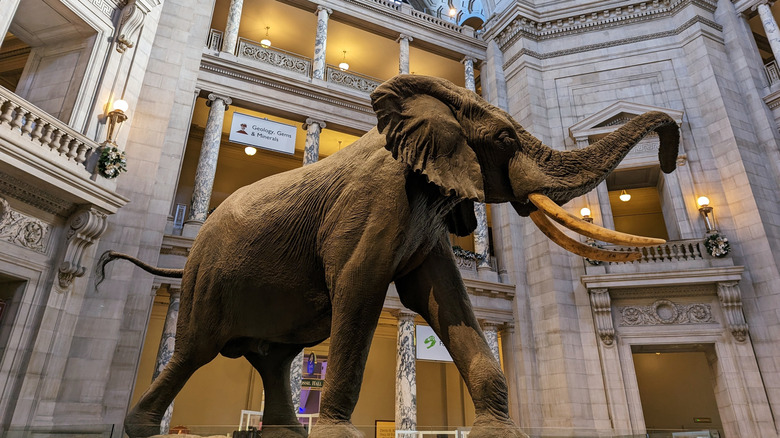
717, 245
112, 162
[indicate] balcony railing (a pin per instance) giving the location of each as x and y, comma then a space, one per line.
350, 79
47, 134
673, 251
214, 42
772, 72
287, 60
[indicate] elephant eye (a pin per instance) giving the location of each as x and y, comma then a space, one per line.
505, 139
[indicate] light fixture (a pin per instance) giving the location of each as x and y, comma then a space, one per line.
453, 12
250, 150
706, 212
585, 213
344, 66
114, 120
265, 42
625, 197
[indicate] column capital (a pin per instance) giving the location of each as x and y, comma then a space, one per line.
756, 3
174, 292
467, 59
487, 324
404, 314
213, 97
321, 8
404, 36
507, 328
310, 121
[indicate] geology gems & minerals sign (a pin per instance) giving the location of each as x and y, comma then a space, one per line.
262, 133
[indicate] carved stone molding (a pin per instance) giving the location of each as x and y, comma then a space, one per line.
664, 312
85, 226
132, 18
602, 310
731, 301
34, 196
22, 230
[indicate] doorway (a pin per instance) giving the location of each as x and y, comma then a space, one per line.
676, 390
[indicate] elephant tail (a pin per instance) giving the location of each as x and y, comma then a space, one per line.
109, 256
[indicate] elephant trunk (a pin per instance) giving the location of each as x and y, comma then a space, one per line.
566, 175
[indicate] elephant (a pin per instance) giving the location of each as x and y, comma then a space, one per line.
309, 254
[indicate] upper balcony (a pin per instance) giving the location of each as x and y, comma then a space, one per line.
45, 162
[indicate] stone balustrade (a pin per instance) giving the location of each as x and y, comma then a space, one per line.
293, 62
772, 72
21, 118
673, 251
350, 79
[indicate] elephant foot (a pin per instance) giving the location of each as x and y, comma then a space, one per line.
492, 428
270, 431
335, 430
137, 427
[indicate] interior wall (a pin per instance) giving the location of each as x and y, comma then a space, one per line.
377, 395
676, 388
443, 402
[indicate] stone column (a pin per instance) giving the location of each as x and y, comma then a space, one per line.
296, 377
311, 151
403, 58
770, 27
320, 41
9, 10
406, 375
490, 329
165, 351
231, 27
207, 164
468, 64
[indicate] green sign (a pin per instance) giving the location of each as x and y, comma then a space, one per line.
312, 383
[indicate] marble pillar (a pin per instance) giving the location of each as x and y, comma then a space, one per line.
165, 351
311, 151
770, 27
490, 329
403, 58
320, 42
468, 70
296, 377
207, 164
230, 37
406, 375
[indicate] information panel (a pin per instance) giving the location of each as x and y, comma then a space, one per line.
429, 346
262, 133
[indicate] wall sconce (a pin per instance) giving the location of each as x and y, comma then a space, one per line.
114, 120
624, 196
585, 212
707, 213
265, 42
344, 66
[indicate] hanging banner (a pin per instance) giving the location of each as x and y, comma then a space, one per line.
262, 133
429, 346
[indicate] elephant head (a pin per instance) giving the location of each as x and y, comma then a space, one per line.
475, 151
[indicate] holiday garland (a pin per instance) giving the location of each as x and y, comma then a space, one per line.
112, 162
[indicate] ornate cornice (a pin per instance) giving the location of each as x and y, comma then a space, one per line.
613, 43
34, 196
597, 20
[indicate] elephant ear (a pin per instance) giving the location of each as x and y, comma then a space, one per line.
416, 115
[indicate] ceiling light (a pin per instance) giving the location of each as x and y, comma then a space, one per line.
453, 12
343, 65
250, 150
265, 42
625, 197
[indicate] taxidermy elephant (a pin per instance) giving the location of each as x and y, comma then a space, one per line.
308, 254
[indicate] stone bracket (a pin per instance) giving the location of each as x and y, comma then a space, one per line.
602, 309
84, 228
132, 18
731, 301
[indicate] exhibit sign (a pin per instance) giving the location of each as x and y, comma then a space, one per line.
429, 346
262, 133
384, 429
312, 383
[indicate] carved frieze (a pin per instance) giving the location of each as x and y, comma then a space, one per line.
273, 57
350, 80
665, 312
22, 230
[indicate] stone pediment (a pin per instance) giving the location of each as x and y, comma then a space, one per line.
614, 116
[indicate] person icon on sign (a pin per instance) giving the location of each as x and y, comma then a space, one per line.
243, 129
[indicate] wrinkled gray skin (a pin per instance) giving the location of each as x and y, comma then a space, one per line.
308, 254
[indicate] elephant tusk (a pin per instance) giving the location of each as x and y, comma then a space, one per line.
588, 229
581, 249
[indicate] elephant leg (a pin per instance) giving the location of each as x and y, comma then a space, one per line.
356, 309
279, 420
145, 418
435, 290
